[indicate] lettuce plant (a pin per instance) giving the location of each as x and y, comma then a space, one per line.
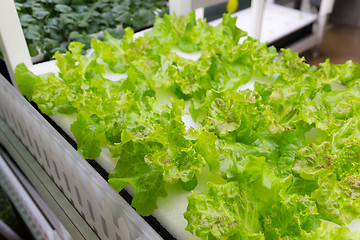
286, 148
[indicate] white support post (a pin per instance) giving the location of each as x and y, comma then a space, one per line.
183, 7
257, 12
305, 6
180, 7
12, 41
326, 8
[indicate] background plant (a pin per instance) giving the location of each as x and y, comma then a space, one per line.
49, 25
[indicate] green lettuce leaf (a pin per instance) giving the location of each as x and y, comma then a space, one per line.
224, 212
347, 73
147, 180
338, 201
314, 160
25, 80
290, 217
87, 131
328, 230
234, 210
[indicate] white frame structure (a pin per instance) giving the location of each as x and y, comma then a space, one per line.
12, 41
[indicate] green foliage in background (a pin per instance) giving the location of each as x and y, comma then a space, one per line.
49, 25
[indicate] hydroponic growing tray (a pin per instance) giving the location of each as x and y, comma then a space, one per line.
169, 217
263, 80
104, 210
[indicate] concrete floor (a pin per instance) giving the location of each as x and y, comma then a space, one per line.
340, 43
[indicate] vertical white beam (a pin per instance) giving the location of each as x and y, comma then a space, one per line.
12, 41
257, 12
305, 6
326, 8
180, 7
